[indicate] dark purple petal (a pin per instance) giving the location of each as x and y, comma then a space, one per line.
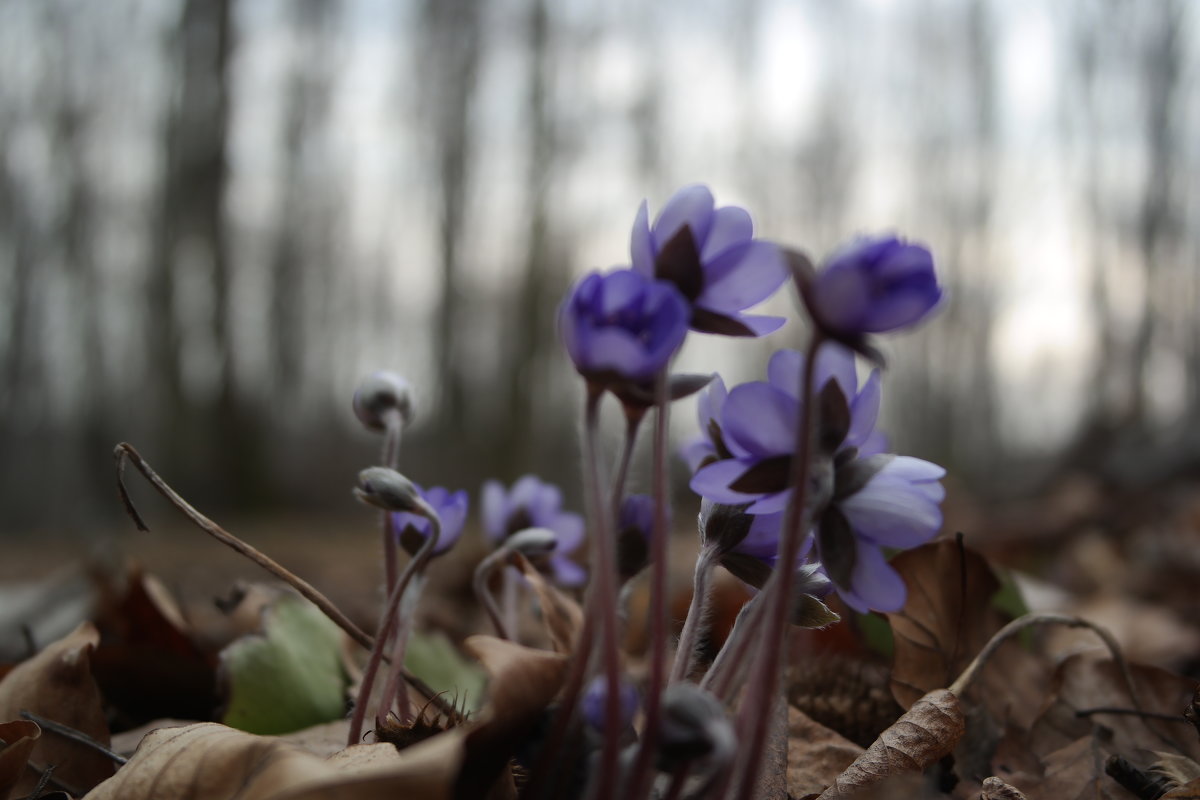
874, 286
691, 206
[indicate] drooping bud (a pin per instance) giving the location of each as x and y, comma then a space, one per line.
694, 725
387, 489
595, 698
380, 393
533, 543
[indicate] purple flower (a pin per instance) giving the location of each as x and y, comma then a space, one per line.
712, 256
874, 285
451, 508
710, 445
622, 326
758, 428
635, 525
531, 503
595, 695
896, 507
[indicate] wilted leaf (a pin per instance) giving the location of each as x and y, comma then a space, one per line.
57, 684
996, 789
816, 754
1076, 772
926, 733
561, 614
1178, 769
17, 740
946, 620
522, 683
208, 761
435, 660
1189, 791
288, 678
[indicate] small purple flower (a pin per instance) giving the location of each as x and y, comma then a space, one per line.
451, 508
531, 503
874, 285
710, 445
896, 507
622, 326
758, 428
712, 256
635, 526
595, 695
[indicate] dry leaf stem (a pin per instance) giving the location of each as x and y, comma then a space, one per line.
125, 451
77, 736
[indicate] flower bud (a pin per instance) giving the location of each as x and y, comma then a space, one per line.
694, 725
379, 393
387, 489
533, 542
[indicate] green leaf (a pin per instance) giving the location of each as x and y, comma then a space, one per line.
436, 661
288, 677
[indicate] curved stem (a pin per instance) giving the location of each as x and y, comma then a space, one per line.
395, 693
479, 584
604, 587
755, 714
390, 457
685, 652
416, 565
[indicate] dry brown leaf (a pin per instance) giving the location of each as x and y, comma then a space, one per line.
1092, 682
17, 740
562, 616
1178, 769
773, 779
1189, 791
996, 789
57, 684
208, 761
522, 683
816, 754
1076, 772
926, 733
946, 620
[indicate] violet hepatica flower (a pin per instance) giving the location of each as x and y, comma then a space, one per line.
596, 695
451, 508
532, 503
757, 426
710, 445
622, 326
711, 255
873, 285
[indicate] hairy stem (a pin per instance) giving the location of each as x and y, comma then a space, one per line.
755, 714
415, 566
395, 693
722, 675
633, 422
480, 584
697, 618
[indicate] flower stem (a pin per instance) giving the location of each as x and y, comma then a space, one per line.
722, 674
755, 714
415, 566
604, 589
480, 584
642, 776
395, 693
390, 457
633, 421
685, 652
124, 451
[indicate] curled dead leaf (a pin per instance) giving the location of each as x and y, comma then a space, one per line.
926, 733
17, 740
57, 684
562, 616
996, 789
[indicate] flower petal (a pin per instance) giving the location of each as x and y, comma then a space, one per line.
567, 572
742, 276
874, 585
760, 325
494, 510
641, 245
891, 512
691, 206
864, 412
731, 225
713, 481
770, 503
761, 418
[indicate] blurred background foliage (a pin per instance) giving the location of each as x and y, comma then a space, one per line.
217, 215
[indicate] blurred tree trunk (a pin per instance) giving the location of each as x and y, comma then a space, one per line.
208, 435
451, 62
1157, 225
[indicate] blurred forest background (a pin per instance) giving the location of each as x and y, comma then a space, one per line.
217, 215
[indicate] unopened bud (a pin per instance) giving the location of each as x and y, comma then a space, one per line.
387, 489
379, 393
694, 725
533, 542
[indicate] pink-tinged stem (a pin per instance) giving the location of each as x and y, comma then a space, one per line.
755, 714
642, 777
604, 586
633, 421
685, 651
386, 623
